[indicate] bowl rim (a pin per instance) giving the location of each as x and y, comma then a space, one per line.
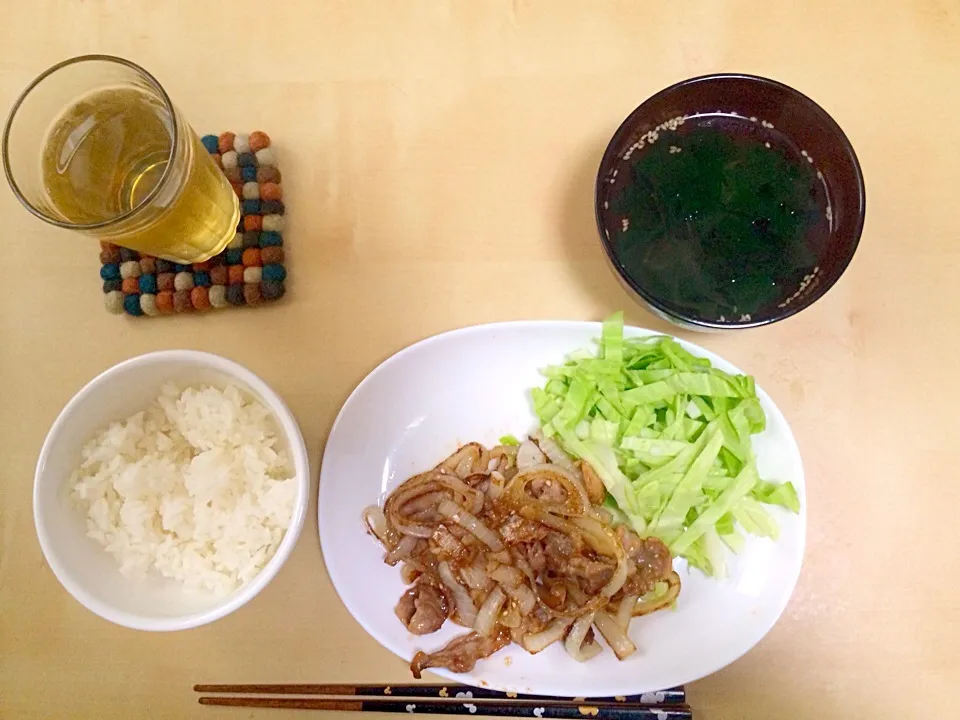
245, 593
686, 320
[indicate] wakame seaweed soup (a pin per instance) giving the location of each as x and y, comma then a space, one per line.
723, 219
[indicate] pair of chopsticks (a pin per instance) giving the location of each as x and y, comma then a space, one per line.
447, 699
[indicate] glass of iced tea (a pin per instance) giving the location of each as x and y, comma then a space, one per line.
95, 145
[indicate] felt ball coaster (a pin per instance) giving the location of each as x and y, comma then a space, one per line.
250, 271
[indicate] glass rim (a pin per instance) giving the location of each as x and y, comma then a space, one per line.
8, 171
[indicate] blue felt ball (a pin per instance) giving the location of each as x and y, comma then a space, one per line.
110, 271
274, 273
201, 279
248, 173
148, 283
234, 256
181, 268
210, 143
251, 207
270, 239
131, 305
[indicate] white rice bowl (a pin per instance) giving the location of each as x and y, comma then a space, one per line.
198, 487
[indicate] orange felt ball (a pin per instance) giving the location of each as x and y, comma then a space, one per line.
225, 142
199, 298
205, 265
271, 191
130, 286
235, 274
216, 159
252, 222
237, 188
251, 257
258, 141
165, 301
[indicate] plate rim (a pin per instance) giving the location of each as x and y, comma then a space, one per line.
629, 331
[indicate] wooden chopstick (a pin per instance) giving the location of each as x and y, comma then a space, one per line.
672, 696
562, 710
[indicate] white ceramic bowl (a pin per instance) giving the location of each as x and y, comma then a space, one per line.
82, 566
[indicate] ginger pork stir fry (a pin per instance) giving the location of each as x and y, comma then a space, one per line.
512, 543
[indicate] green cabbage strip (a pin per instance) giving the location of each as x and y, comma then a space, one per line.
670, 437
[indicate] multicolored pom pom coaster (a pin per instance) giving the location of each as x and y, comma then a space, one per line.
250, 271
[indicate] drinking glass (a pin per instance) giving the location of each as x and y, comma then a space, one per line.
95, 145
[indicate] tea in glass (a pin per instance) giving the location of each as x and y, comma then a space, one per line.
117, 161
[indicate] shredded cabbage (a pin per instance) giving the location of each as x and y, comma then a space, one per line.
669, 436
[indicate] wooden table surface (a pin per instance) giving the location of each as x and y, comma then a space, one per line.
438, 162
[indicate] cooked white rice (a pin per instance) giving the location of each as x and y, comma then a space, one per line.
197, 487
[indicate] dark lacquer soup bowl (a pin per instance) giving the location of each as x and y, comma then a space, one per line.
729, 201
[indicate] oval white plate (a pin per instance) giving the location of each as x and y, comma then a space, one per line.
474, 384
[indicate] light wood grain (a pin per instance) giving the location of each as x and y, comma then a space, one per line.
438, 159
